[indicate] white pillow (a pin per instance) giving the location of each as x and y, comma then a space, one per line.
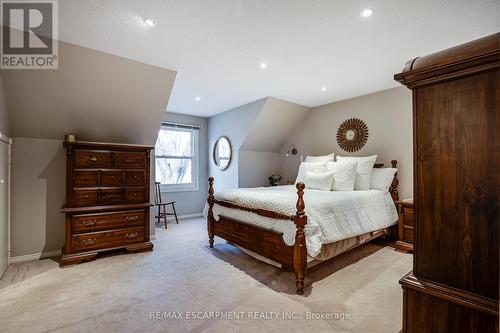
344, 175
309, 166
382, 179
325, 158
318, 180
365, 169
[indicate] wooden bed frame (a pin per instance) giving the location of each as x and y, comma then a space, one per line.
269, 243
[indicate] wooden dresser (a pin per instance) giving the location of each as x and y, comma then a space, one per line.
107, 199
454, 285
405, 225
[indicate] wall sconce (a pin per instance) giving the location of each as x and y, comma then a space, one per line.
291, 150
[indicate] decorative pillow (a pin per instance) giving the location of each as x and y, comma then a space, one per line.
318, 180
364, 172
325, 158
382, 179
344, 175
309, 166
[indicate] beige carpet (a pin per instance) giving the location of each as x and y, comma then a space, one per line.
118, 293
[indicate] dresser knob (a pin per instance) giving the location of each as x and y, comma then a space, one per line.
131, 218
87, 242
86, 196
89, 223
92, 159
135, 177
131, 235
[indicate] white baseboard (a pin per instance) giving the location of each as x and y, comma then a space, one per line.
35, 256
181, 217
190, 216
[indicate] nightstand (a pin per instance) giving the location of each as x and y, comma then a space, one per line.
405, 225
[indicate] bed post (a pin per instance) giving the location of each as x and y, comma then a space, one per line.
393, 189
210, 217
299, 248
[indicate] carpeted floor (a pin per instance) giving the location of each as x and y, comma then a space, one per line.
357, 292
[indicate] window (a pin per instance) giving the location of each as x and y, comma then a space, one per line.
176, 155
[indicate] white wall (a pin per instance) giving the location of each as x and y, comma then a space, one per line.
193, 201
388, 115
235, 124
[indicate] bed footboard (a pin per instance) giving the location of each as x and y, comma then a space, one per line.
267, 243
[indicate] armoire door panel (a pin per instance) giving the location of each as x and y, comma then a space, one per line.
456, 194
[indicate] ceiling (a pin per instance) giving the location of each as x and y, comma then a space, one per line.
217, 46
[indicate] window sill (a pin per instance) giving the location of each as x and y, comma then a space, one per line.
179, 189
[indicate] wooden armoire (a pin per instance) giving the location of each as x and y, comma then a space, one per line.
107, 199
456, 120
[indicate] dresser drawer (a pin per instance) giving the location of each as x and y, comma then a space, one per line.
135, 178
84, 197
85, 179
107, 239
130, 160
111, 178
92, 159
95, 222
111, 197
135, 195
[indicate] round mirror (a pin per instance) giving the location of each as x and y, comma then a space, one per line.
222, 153
349, 135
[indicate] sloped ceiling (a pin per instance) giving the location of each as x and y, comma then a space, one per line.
98, 96
273, 125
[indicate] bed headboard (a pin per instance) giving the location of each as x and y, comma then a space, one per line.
393, 189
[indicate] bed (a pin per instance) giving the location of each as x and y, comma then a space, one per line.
271, 223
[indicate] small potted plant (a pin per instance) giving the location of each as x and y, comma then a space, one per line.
274, 179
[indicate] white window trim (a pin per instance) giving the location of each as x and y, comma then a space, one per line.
194, 186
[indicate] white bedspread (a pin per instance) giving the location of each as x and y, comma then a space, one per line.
331, 215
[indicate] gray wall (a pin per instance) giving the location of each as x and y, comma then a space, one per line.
99, 97
255, 167
273, 125
235, 124
38, 193
4, 116
388, 115
90, 91
192, 202
257, 132
259, 155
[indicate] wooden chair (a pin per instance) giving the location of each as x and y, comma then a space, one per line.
162, 207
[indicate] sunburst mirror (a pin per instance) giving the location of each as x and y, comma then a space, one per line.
352, 135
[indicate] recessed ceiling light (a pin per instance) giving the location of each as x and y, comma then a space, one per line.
323, 88
366, 12
263, 65
198, 98
150, 21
